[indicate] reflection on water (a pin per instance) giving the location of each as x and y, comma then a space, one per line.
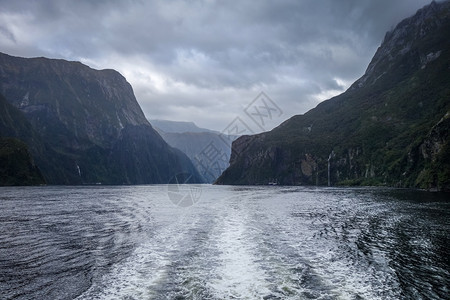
234, 243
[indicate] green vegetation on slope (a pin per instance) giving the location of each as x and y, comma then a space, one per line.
82, 125
377, 132
16, 165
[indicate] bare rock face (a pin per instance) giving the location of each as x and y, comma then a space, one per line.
434, 144
386, 129
89, 104
83, 118
400, 44
435, 151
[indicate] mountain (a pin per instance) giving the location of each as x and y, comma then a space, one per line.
389, 128
16, 164
208, 150
14, 124
83, 125
177, 126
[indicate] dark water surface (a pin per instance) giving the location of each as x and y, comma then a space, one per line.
234, 243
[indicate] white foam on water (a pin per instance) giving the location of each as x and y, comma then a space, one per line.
238, 276
256, 248
236, 243
136, 276
340, 266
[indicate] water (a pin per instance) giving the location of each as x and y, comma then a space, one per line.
233, 243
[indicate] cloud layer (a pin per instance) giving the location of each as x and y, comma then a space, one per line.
206, 60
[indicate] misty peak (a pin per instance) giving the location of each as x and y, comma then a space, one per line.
405, 45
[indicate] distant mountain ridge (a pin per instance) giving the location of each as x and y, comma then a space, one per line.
178, 126
85, 125
208, 150
389, 128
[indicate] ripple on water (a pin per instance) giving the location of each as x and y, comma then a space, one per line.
235, 243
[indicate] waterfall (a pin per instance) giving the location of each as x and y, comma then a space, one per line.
329, 165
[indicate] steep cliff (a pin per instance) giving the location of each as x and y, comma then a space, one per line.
13, 123
388, 128
83, 120
16, 164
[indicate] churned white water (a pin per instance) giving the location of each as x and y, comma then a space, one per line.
232, 243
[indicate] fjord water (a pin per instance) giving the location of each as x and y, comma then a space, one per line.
133, 242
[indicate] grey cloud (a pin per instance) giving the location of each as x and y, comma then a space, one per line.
6, 33
292, 49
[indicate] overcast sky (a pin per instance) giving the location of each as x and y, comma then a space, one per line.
206, 61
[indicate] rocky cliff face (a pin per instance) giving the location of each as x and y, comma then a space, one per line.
13, 123
435, 151
411, 45
384, 130
82, 119
16, 164
83, 103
